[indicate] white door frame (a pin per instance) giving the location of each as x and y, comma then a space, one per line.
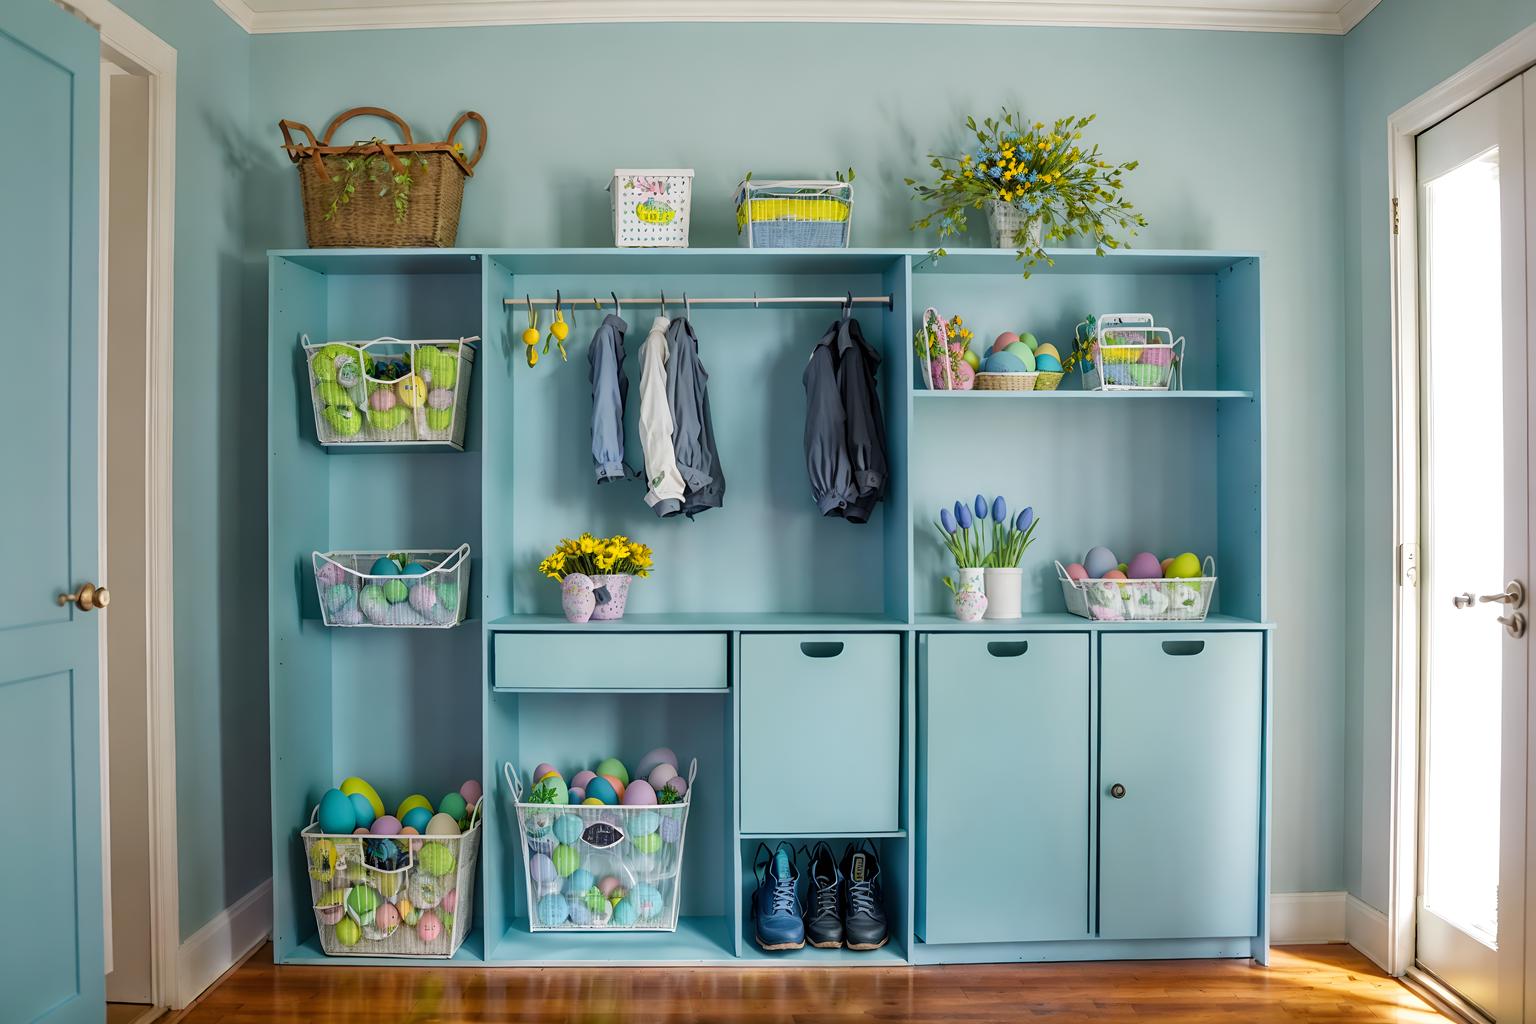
157, 60
1498, 66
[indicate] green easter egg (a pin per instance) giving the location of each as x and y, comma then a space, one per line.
389, 419
348, 932
613, 766
363, 900
344, 419
566, 860
322, 366
436, 859
334, 394
648, 843
452, 805
440, 419
446, 373
448, 596
396, 591
595, 900
1029, 340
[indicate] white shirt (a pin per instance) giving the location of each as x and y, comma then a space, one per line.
663, 481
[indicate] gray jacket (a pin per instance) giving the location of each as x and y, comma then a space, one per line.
610, 391
693, 433
845, 454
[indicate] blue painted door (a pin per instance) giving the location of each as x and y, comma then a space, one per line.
50, 967
1179, 785
1004, 713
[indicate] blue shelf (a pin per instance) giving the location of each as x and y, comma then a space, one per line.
1080, 261
1099, 396
703, 622
697, 940
470, 954
1065, 622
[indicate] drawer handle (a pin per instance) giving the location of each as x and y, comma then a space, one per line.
821, 648
1007, 648
1183, 648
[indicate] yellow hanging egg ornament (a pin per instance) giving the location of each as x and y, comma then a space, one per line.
533, 354
531, 337
560, 329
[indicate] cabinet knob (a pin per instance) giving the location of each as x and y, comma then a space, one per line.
1117, 791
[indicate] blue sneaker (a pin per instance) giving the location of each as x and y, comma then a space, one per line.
776, 904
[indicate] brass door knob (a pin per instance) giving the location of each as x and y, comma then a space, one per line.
88, 598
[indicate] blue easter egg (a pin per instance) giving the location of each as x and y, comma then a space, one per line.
413, 569
544, 845
671, 830
578, 882
542, 868
625, 913
417, 818
1003, 362
647, 900
384, 567
362, 810
1048, 364
336, 814
553, 910
581, 914
1099, 561
568, 829
643, 823
601, 789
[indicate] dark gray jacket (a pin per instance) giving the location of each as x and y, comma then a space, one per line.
693, 434
610, 391
845, 454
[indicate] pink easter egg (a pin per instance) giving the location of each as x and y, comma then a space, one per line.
329, 574
965, 377
639, 794
382, 400
1004, 340
471, 791
1156, 357
1114, 574
429, 927
360, 831
451, 901
678, 785
1075, 571
388, 825
1165, 564
424, 599
661, 775
608, 885
581, 778
386, 917
545, 768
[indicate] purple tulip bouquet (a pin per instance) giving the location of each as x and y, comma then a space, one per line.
986, 543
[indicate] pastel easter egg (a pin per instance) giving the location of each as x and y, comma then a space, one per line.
396, 591
337, 817
581, 778
344, 419
1004, 340
354, 785
553, 910
678, 785
542, 845
373, 604
1115, 574
360, 831
618, 785
542, 868
576, 794
382, 400
452, 805
1185, 566
1144, 566
439, 398
578, 882
429, 928
471, 791
607, 885
652, 759
1075, 571
550, 790
436, 859
362, 901
337, 595
1045, 348
671, 829
965, 377
544, 768
362, 810
388, 825
639, 794
592, 801
612, 766
1003, 362
416, 819
1021, 352
384, 566
442, 825
409, 803
329, 574
581, 913
412, 391
1166, 563
643, 823
386, 919
566, 860
647, 844
426, 891
1030, 340
647, 900
1048, 364
662, 774
568, 829
423, 599
439, 419
601, 791
331, 906
451, 901
348, 932
625, 913
1099, 561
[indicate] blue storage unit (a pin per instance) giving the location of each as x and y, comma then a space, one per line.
974, 756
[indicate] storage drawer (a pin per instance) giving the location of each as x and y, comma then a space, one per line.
609, 661
1009, 710
1181, 770
820, 732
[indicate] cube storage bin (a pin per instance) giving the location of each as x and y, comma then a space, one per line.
794, 214
642, 847
1126, 352
434, 599
433, 880
651, 208
1175, 600
389, 391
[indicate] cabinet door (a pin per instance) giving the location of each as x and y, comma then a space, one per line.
1004, 787
1181, 732
820, 733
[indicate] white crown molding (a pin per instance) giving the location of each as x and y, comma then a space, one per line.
1232, 15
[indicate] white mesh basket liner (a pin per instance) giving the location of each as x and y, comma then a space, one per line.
411, 890
1166, 600
350, 596
360, 406
611, 841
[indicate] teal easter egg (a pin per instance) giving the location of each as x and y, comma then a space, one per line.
417, 818
553, 910
643, 823
413, 569
601, 789
362, 810
647, 900
448, 596
625, 913
1047, 364
337, 816
568, 830
579, 881
1003, 362
1023, 353
383, 566
453, 805
337, 595
613, 766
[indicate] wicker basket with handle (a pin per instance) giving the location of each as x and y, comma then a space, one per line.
367, 219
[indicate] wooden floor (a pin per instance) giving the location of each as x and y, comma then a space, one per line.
1305, 983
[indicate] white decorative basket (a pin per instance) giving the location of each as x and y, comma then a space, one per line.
1006, 221
1175, 600
651, 208
429, 890
803, 214
433, 598
619, 853
1126, 352
389, 391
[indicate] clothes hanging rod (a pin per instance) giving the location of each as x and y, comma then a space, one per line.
756, 301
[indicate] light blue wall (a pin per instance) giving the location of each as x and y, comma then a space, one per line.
1401, 50
1237, 134
220, 480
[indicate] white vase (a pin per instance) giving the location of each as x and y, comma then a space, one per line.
1005, 591
970, 594
1006, 221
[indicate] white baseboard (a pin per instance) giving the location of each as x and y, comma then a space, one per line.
218, 945
1365, 928
1300, 917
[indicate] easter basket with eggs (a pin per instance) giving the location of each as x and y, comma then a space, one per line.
604, 853
397, 885
418, 588
388, 391
1178, 589
1128, 352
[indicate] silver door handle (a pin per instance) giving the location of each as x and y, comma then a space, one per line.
1514, 624
1513, 596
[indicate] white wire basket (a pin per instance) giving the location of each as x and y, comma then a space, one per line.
1127, 352
431, 590
389, 391
794, 214
401, 896
1167, 600
651, 208
601, 868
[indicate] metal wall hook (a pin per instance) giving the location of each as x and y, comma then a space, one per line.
687, 309
663, 302
618, 307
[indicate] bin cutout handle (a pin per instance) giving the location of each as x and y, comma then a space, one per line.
1007, 648
821, 648
1183, 648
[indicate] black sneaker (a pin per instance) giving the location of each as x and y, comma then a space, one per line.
863, 903
824, 915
